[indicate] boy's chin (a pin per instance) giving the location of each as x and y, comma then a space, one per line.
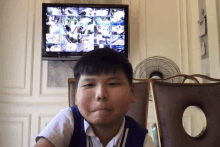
104, 120
101, 123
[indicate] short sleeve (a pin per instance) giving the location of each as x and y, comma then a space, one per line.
60, 129
148, 142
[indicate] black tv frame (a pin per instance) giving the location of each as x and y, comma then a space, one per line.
77, 55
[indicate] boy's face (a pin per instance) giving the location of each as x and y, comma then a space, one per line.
104, 99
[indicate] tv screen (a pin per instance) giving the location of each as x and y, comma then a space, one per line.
71, 30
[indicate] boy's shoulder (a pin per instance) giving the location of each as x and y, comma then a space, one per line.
135, 127
76, 112
133, 123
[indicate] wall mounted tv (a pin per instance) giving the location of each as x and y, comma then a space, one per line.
71, 30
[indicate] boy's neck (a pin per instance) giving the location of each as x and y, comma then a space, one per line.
106, 132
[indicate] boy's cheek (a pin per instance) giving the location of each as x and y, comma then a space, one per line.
84, 101
118, 93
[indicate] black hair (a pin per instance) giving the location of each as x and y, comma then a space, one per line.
102, 61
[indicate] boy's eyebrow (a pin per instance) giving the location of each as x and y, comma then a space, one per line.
93, 79
88, 79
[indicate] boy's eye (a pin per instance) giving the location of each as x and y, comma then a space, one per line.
88, 85
113, 84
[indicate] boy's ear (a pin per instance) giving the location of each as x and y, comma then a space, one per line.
133, 92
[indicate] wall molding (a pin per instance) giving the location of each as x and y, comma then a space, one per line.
45, 90
183, 37
187, 123
213, 38
24, 120
26, 88
43, 120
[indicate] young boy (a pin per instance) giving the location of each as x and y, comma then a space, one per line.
104, 91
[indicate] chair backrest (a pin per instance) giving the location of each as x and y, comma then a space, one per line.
138, 110
171, 99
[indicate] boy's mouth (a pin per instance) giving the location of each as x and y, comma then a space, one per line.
106, 109
103, 110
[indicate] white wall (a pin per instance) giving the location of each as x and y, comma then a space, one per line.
162, 37
157, 28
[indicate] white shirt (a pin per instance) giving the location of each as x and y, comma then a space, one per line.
93, 140
60, 130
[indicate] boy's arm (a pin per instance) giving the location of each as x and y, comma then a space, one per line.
58, 131
43, 142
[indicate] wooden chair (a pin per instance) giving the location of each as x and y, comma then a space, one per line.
170, 101
138, 110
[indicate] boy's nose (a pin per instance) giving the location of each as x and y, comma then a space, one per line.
101, 93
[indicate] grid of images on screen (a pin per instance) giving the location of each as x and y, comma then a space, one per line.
81, 29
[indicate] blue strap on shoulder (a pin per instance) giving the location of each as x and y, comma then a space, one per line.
79, 137
136, 134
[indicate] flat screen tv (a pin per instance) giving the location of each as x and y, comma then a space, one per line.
71, 30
